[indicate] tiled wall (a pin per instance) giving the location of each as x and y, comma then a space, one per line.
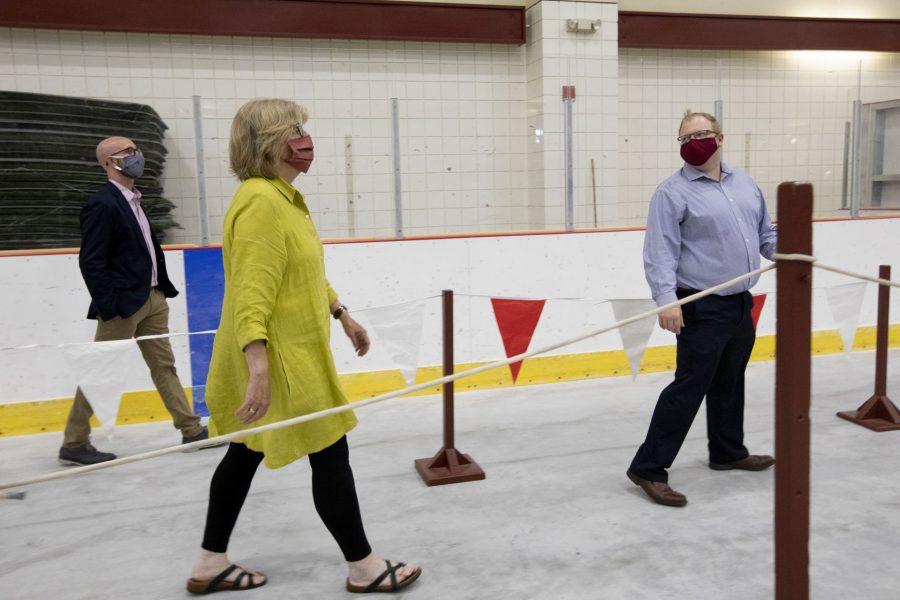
462, 109
784, 114
589, 62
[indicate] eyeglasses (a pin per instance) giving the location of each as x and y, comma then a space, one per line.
298, 129
697, 135
130, 151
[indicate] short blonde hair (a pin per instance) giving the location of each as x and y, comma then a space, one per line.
259, 134
689, 114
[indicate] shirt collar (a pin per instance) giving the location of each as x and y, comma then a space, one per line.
131, 195
288, 191
693, 173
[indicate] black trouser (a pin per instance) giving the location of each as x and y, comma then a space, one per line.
334, 495
713, 350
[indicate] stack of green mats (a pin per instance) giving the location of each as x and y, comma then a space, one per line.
48, 165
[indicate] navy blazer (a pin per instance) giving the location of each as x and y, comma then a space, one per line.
114, 260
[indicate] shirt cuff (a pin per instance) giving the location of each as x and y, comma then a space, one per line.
665, 298
250, 333
332, 296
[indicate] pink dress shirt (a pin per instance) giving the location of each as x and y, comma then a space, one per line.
133, 197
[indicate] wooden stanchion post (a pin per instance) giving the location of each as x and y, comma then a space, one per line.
792, 386
449, 465
878, 413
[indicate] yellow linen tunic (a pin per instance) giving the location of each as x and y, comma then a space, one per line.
276, 290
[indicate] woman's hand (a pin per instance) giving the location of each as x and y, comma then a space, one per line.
357, 334
256, 400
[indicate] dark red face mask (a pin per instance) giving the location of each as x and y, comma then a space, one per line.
697, 152
301, 153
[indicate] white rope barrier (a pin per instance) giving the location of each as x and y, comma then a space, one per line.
410, 389
374, 400
818, 265
877, 280
800, 257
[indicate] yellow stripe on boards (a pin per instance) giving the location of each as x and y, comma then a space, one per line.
41, 416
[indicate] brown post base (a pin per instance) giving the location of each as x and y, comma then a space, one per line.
878, 413
448, 466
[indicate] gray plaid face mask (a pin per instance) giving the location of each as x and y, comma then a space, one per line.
132, 166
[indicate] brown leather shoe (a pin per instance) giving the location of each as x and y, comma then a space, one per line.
754, 462
658, 491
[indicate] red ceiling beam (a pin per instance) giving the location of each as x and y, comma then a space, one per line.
333, 19
737, 32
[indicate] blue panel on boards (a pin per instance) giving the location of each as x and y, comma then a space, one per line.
205, 282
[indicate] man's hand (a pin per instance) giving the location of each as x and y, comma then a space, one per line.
672, 320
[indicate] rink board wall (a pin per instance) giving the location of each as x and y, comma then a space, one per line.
45, 303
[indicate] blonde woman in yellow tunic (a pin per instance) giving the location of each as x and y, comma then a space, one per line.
272, 360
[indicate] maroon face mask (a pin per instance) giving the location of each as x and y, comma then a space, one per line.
301, 153
697, 152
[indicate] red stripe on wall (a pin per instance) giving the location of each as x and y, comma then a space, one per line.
332, 19
735, 32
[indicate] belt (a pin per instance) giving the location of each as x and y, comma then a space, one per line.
685, 292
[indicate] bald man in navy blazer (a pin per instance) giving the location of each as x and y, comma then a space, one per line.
125, 272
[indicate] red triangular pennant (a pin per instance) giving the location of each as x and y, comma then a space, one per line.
517, 320
758, 303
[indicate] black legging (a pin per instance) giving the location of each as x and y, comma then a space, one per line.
334, 495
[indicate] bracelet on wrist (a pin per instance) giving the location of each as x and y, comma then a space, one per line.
338, 312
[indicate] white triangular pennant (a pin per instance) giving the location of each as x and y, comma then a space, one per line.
399, 327
635, 336
101, 375
845, 302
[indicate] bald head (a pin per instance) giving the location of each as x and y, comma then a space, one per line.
110, 147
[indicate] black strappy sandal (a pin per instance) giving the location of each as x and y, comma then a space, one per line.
218, 583
395, 585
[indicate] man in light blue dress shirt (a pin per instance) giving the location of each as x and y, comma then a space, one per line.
708, 223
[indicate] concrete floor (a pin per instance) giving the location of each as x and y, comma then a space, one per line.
555, 519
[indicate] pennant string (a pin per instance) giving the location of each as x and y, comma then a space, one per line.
404, 303
777, 256
136, 339
555, 298
188, 333
422, 386
374, 400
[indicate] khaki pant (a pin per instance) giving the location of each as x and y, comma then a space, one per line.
151, 319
